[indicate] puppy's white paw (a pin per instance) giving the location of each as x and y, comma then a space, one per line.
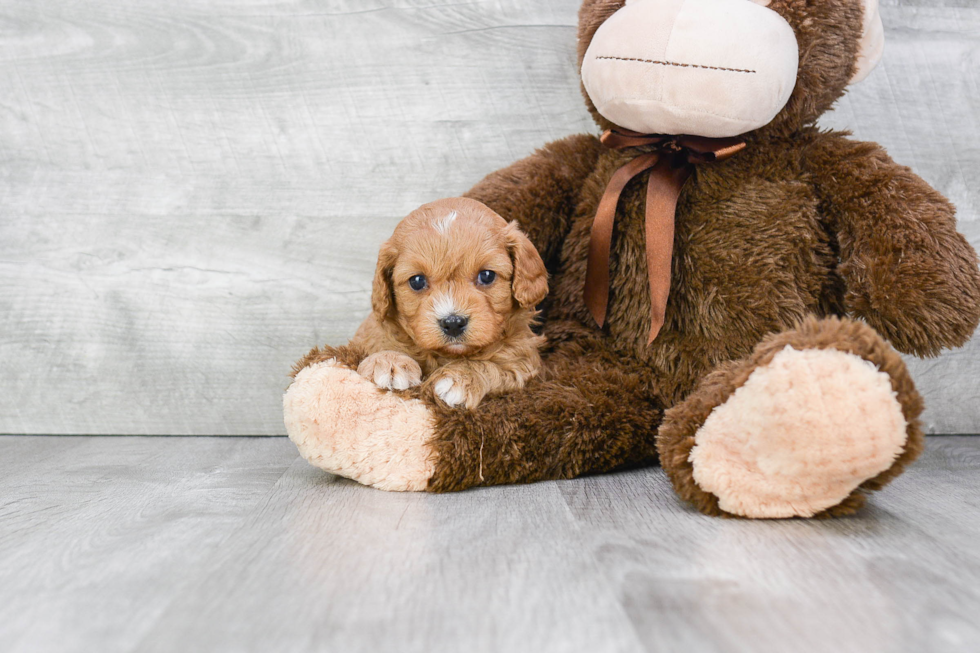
391, 370
457, 386
450, 391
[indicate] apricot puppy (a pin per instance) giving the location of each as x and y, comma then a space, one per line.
453, 300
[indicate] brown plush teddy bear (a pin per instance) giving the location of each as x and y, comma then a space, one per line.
715, 218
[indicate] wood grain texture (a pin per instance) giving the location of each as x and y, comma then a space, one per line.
192, 193
236, 544
97, 537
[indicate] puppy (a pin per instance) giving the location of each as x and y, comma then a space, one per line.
453, 300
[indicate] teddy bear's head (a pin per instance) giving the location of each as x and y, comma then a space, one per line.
722, 67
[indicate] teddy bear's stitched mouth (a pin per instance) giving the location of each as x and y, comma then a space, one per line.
676, 64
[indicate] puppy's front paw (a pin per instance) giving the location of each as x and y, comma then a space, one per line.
391, 370
457, 387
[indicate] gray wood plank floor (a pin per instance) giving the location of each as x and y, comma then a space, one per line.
192, 194
235, 544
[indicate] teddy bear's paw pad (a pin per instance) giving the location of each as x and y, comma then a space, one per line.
391, 370
800, 435
341, 423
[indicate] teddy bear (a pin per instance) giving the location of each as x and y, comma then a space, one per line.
730, 283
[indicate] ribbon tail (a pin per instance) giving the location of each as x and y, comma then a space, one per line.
597, 273
663, 190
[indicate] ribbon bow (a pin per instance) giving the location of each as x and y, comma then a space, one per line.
670, 165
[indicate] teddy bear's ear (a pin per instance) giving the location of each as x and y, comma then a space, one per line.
530, 282
872, 44
382, 299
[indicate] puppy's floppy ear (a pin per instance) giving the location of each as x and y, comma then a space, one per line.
382, 292
530, 282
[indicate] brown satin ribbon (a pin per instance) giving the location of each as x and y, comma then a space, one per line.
670, 164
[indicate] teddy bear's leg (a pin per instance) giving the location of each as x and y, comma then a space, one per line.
588, 411
815, 417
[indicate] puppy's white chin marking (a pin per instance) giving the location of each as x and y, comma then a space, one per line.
456, 349
449, 392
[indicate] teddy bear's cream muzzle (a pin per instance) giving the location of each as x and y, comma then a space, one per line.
715, 68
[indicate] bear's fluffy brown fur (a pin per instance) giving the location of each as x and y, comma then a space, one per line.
780, 245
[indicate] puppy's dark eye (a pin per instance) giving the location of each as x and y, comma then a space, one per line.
418, 282
486, 277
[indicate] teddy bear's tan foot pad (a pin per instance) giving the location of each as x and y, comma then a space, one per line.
343, 423
800, 435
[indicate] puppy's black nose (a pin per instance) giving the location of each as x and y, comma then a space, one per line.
453, 325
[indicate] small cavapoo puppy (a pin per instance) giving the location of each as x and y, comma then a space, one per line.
453, 300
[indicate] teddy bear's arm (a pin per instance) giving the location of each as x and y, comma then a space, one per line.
541, 191
908, 272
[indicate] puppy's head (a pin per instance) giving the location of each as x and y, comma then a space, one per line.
454, 275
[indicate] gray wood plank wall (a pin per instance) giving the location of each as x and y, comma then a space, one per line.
192, 192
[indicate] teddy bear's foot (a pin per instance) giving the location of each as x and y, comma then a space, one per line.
342, 423
799, 428
803, 432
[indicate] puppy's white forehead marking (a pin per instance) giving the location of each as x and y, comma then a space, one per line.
444, 305
443, 224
